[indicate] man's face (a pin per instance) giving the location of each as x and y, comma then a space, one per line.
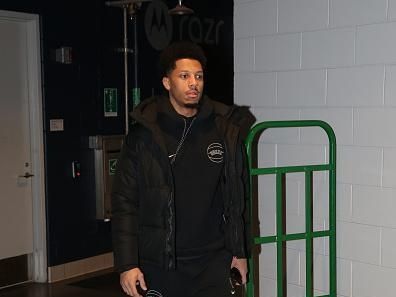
185, 85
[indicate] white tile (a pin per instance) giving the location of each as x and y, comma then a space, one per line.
357, 12
267, 205
295, 224
370, 205
358, 242
389, 171
295, 291
267, 224
295, 193
328, 48
344, 202
277, 52
375, 44
392, 10
275, 114
355, 86
388, 204
293, 155
320, 293
371, 280
344, 282
340, 120
302, 15
255, 18
375, 126
267, 287
320, 224
321, 199
267, 261
296, 176
255, 89
244, 55
267, 192
266, 155
320, 273
293, 198
388, 247
293, 266
390, 85
302, 88
359, 165
321, 245
278, 135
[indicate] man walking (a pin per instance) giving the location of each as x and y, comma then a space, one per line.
180, 189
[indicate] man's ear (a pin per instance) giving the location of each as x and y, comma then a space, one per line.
166, 83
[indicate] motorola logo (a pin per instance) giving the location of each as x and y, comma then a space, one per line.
158, 25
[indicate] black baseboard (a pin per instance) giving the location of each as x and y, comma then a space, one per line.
14, 270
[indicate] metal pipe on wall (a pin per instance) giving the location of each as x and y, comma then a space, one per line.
129, 7
125, 49
135, 48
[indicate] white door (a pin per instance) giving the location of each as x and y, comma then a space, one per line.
21, 177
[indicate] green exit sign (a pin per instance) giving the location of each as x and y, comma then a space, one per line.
110, 102
112, 166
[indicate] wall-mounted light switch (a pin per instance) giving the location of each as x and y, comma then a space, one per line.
76, 169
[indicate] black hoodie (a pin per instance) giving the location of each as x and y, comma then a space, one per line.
196, 152
143, 192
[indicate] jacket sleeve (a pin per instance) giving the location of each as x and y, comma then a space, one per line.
240, 208
245, 178
245, 121
240, 214
125, 207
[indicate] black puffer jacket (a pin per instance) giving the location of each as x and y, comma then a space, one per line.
143, 212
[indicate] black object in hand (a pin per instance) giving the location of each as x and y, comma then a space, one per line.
140, 290
235, 276
235, 279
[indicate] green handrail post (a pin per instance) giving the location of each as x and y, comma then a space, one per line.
280, 230
309, 230
281, 237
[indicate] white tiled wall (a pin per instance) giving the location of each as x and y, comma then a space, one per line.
302, 15
277, 52
357, 12
333, 60
327, 48
374, 45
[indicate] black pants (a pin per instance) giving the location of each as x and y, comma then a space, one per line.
205, 276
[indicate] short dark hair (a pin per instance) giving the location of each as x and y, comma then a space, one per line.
180, 50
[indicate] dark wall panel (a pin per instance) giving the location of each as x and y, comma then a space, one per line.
73, 92
211, 26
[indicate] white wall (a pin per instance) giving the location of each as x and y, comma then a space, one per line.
333, 60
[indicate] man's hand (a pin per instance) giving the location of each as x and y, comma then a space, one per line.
241, 265
130, 279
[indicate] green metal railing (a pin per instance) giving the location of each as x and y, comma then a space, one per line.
281, 237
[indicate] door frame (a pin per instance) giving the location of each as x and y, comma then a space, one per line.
38, 261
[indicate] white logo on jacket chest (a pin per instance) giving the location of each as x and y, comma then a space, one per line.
215, 152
